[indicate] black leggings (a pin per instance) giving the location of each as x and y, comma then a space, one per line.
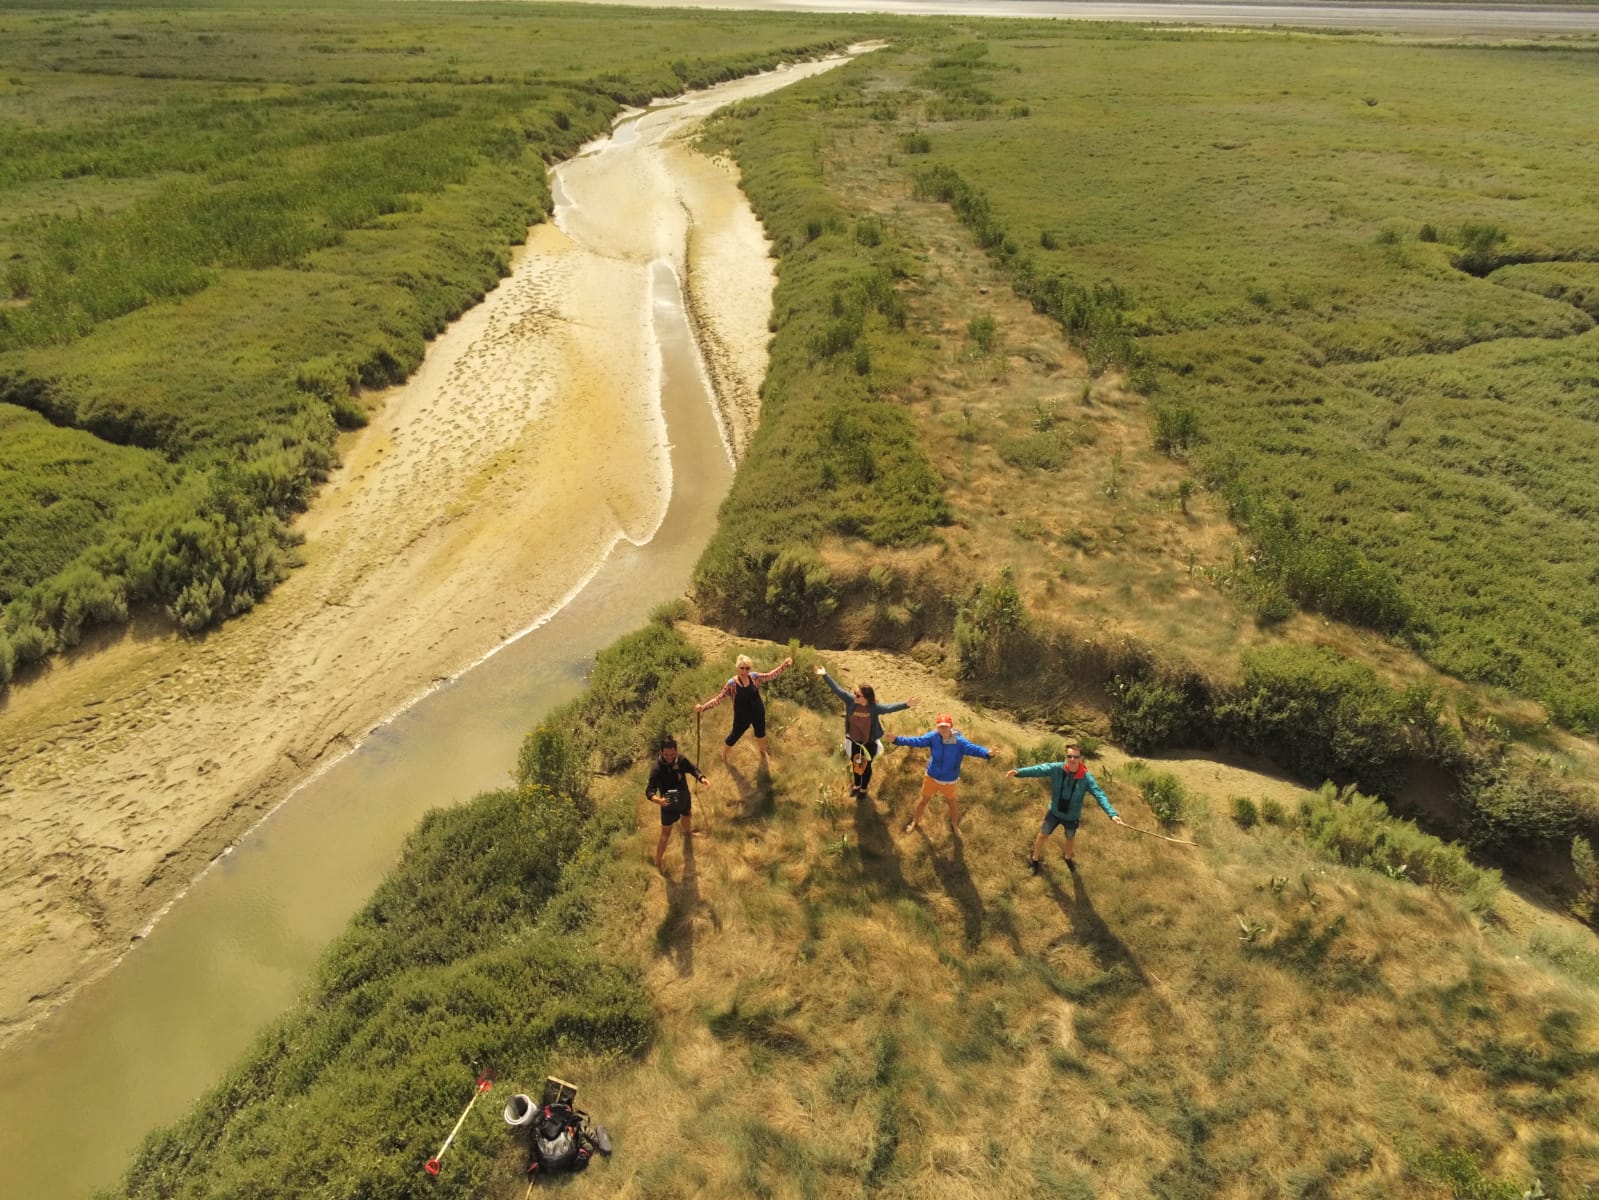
864, 779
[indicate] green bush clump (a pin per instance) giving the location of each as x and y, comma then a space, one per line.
982, 331
1458, 1170
1357, 831
1245, 814
1320, 570
1513, 808
1166, 797
1154, 711
1324, 717
799, 587
551, 759
991, 629
1044, 450
638, 689
1176, 428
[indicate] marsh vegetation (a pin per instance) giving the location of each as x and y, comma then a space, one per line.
224, 230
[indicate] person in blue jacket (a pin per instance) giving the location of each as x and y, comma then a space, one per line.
1069, 784
863, 728
946, 749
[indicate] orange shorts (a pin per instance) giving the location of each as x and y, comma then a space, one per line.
932, 787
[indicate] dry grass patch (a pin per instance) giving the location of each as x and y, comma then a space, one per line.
1070, 524
849, 1010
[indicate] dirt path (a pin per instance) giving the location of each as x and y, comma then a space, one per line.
485, 492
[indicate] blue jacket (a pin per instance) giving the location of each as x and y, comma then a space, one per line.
1067, 792
944, 761
877, 709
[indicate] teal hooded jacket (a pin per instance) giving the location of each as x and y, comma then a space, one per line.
1067, 792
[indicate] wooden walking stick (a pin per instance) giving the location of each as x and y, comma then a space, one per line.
1161, 836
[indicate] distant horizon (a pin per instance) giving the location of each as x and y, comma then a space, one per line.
1529, 20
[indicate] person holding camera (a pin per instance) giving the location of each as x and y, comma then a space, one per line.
668, 788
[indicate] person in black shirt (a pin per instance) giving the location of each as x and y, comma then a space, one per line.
668, 788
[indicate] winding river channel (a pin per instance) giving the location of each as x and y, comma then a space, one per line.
133, 1049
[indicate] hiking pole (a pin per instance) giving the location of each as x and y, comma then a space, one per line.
484, 1082
1161, 836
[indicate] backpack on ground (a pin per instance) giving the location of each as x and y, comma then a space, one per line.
558, 1139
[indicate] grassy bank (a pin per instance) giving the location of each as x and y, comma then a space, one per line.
222, 228
814, 1004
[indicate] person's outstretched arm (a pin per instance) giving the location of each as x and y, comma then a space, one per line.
1036, 771
707, 705
768, 676
976, 751
1104, 800
845, 696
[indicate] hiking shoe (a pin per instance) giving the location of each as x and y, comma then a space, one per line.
1032, 866
1071, 865
602, 1140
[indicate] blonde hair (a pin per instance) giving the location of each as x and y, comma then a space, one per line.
744, 660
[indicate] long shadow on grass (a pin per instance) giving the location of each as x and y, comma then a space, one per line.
1111, 954
879, 857
957, 882
675, 937
750, 798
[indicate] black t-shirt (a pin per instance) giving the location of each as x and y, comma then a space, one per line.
667, 777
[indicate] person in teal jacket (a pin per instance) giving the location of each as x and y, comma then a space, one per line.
945, 749
1069, 784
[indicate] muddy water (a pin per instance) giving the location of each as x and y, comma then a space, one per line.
136, 1048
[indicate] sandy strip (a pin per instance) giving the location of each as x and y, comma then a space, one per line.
481, 496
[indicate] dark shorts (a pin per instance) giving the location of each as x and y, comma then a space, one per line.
755, 721
671, 811
1052, 822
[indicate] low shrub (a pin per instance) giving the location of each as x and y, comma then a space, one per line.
1166, 797
552, 759
799, 587
1176, 428
1324, 717
991, 628
1357, 831
1513, 809
1154, 711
